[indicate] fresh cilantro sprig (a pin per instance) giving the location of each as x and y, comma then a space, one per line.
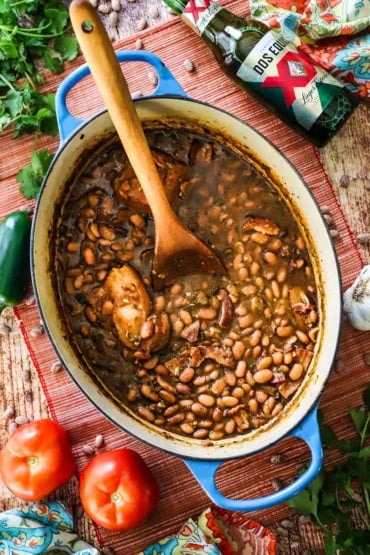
28, 111
30, 177
34, 35
333, 496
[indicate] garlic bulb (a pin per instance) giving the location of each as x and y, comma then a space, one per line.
357, 301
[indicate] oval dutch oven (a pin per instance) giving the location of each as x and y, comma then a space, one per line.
299, 417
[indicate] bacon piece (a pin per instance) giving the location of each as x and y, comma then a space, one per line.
279, 377
221, 356
191, 332
196, 355
262, 225
287, 388
227, 310
242, 421
299, 301
171, 171
161, 333
304, 356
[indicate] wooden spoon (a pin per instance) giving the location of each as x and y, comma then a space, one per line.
177, 251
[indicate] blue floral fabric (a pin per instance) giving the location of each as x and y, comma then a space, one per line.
40, 528
335, 34
191, 540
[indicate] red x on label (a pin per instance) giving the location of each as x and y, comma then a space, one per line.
196, 7
286, 81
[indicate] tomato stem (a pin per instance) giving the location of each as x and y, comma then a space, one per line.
32, 461
115, 497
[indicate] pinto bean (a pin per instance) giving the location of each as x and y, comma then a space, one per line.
148, 392
89, 256
265, 362
281, 274
168, 397
218, 386
199, 409
187, 375
186, 428
296, 371
277, 357
183, 389
151, 363
241, 369
230, 378
238, 392
176, 419
206, 400
253, 405
303, 337
238, 350
200, 433
255, 338
207, 313
270, 258
275, 288
164, 384
146, 413
230, 426
284, 331
205, 423
268, 406
261, 396
229, 401
263, 376
171, 410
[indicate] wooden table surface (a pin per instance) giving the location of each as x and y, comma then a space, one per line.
346, 161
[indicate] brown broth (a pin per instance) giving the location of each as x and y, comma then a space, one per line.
213, 356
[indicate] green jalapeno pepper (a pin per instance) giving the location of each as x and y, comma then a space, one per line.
15, 232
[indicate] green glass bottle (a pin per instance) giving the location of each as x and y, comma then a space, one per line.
267, 65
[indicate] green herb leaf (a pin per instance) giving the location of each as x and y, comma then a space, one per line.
14, 102
336, 492
41, 161
57, 20
67, 46
31, 30
30, 177
5, 121
358, 418
30, 184
54, 63
306, 502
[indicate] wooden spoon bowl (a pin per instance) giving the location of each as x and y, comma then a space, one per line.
177, 251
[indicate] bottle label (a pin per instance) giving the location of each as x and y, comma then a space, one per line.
198, 13
287, 79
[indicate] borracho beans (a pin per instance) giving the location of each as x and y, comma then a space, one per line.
208, 357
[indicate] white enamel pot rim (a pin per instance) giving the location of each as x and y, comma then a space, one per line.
299, 416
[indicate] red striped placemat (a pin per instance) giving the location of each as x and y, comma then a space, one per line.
181, 495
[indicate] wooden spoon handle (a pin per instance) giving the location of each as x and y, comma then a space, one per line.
106, 71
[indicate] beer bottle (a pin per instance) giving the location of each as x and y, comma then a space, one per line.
267, 65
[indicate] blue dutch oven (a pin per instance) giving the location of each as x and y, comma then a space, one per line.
299, 417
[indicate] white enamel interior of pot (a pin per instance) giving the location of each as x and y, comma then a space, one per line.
323, 253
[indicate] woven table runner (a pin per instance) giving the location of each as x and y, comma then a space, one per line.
181, 495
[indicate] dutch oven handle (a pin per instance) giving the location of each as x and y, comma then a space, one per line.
67, 123
205, 472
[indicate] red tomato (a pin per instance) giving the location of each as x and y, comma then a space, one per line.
36, 460
117, 489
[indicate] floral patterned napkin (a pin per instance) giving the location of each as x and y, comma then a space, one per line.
40, 528
217, 532
335, 34
48, 528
